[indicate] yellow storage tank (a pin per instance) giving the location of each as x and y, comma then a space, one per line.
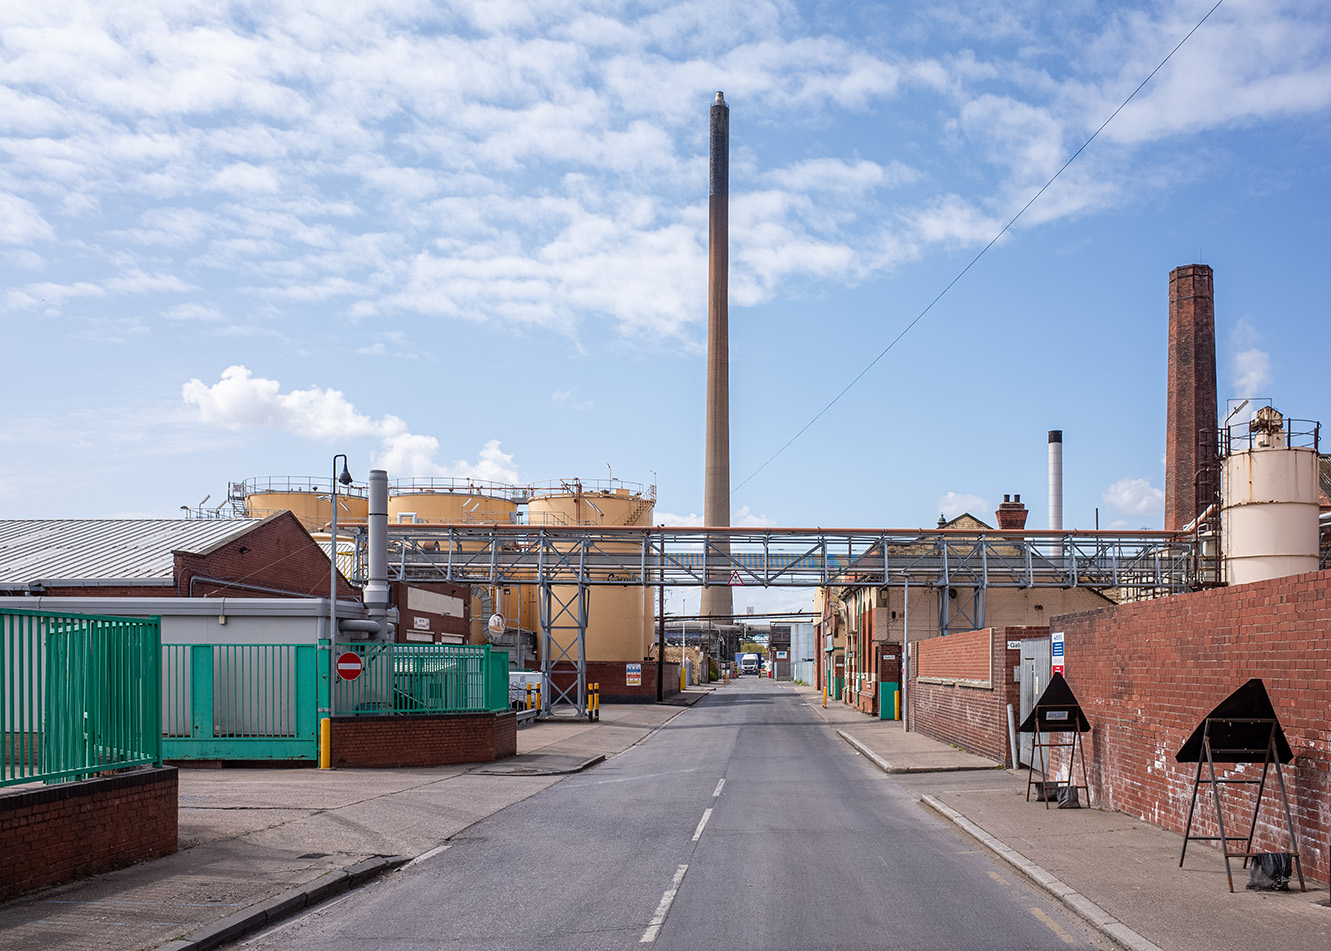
306, 498
436, 501
619, 619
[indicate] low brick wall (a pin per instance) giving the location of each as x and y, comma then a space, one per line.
56, 834
423, 740
961, 685
612, 677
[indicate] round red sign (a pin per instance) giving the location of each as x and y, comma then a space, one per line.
349, 665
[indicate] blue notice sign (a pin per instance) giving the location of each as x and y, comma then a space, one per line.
1056, 651
633, 675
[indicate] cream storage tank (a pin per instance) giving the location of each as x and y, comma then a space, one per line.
439, 501
619, 619
307, 498
1269, 492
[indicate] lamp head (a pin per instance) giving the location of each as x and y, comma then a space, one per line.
345, 477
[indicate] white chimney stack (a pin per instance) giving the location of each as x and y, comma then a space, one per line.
1056, 480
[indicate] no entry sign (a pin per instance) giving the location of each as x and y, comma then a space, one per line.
349, 665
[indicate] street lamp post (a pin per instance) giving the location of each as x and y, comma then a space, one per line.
345, 479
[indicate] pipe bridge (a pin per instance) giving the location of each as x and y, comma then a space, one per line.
1139, 564
566, 561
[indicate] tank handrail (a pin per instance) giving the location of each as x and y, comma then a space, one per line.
562, 487
1243, 437
260, 485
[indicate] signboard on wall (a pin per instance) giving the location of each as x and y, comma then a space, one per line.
633, 675
1056, 652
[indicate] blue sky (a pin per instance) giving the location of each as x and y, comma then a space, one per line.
470, 239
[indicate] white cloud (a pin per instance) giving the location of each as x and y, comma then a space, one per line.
1135, 496
955, 503
240, 401
744, 518
21, 222
1252, 365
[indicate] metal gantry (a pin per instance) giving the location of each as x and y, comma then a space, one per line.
564, 561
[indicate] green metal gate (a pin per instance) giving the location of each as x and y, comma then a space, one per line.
240, 702
77, 695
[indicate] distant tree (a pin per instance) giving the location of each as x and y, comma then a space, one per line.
749, 647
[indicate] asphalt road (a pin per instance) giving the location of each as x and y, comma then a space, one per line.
742, 823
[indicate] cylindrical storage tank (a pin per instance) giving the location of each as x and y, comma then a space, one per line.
307, 499
1269, 512
435, 507
619, 619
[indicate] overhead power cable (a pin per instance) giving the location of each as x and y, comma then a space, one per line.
962, 273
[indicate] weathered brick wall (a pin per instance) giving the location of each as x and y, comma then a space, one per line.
961, 703
962, 656
423, 741
1147, 673
279, 553
59, 833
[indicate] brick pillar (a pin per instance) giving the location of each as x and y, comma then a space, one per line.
1190, 440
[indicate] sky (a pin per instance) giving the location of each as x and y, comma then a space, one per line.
469, 239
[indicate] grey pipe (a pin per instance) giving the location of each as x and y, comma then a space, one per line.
1012, 737
376, 586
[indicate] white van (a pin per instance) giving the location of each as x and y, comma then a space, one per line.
748, 664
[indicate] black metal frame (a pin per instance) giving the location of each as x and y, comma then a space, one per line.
1268, 757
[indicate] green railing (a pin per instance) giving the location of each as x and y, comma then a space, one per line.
239, 701
422, 679
79, 695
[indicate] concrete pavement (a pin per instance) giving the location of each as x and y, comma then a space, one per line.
260, 844
1119, 873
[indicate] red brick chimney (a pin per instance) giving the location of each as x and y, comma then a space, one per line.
1190, 432
1011, 515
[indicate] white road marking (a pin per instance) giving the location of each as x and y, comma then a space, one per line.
719, 786
427, 855
702, 824
663, 909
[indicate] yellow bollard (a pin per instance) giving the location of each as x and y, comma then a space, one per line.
326, 743
896, 696
598, 701
537, 691
824, 694
528, 696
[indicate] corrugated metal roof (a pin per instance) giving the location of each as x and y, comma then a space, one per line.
105, 548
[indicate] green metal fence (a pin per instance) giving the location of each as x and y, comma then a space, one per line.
240, 701
422, 679
79, 695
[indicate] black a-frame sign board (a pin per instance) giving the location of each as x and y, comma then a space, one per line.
1243, 729
1056, 712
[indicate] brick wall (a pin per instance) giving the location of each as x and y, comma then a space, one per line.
964, 656
1147, 673
960, 702
423, 741
58, 833
278, 553
613, 680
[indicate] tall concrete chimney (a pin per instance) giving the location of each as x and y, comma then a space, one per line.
1056, 480
1191, 480
716, 599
